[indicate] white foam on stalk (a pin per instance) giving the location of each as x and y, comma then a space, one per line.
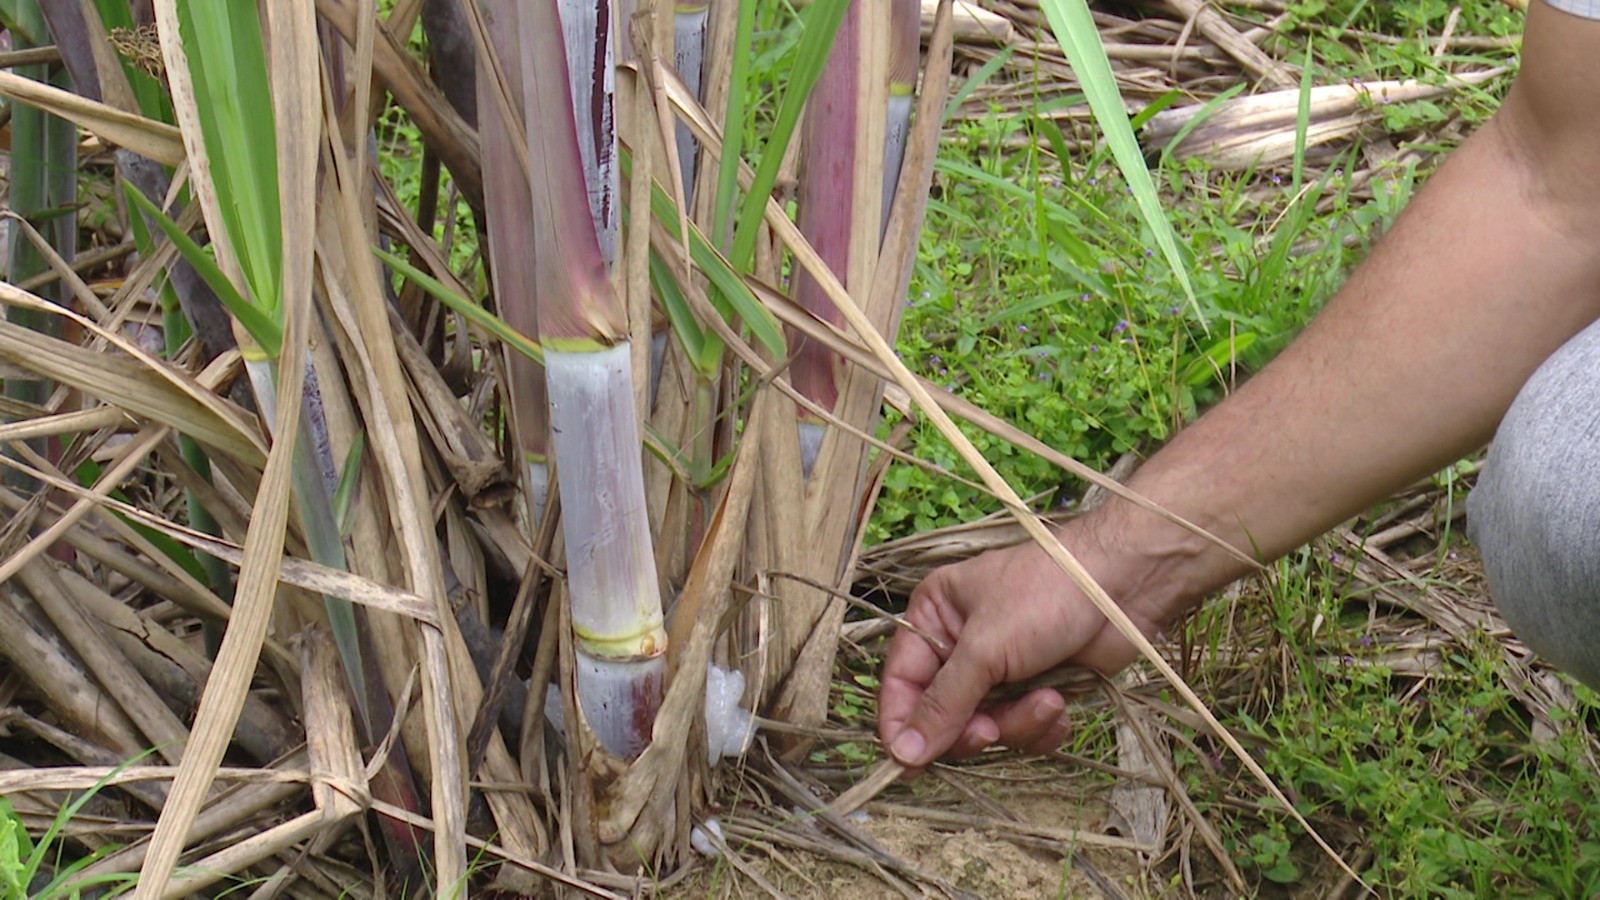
728, 726
701, 838
896, 132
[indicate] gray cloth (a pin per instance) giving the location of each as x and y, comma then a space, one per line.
1589, 9
1535, 514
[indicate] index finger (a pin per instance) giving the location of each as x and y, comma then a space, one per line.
911, 664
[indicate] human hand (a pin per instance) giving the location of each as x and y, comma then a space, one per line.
1001, 617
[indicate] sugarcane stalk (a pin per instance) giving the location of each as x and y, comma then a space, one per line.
688, 59
905, 55
827, 196
615, 597
591, 72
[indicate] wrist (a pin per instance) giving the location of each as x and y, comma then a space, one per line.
1153, 568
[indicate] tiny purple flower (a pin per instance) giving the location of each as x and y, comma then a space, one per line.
1084, 297
1120, 327
1277, 179
1149, 253
936, 359
1094, 348
1043, 376
1174, 311
944, 371
1093, 182
1022, 329
1041, 353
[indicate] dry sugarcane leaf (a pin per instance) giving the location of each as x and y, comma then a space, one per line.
295, 97
241, 805
147, 137
449, 675
241, 855
82, 778
1260, 129
144, 386
459, 439
970, 23
339, 786
68, 690
31, 427
442, 128
130, 457
176, 670
110, 668
1210, 23
81, 292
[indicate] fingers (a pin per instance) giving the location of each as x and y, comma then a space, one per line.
941, 715
1035, 723
911, 666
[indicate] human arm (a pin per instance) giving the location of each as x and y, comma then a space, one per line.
1493, 266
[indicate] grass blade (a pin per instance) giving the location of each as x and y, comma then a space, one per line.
1079, 38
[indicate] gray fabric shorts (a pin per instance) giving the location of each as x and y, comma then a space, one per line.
1589, 9
1535, 514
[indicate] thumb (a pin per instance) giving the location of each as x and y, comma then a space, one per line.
945, 708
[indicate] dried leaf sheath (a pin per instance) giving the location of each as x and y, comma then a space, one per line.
508, 202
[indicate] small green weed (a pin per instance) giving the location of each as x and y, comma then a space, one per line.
40, 870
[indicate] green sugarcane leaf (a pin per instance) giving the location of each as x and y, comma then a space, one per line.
473, 312
821, 27
22, 20
228, 61
730, 295
263, 328
684, 324
174, 324
348, 475
733, 123
1075, 31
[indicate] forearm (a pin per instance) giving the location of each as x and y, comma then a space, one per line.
1410, 366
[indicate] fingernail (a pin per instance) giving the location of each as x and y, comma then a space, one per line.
908, 746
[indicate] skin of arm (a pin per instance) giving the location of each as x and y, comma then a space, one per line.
1492, 267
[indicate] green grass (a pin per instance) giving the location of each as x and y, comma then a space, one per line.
1441, 778
1038, 295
